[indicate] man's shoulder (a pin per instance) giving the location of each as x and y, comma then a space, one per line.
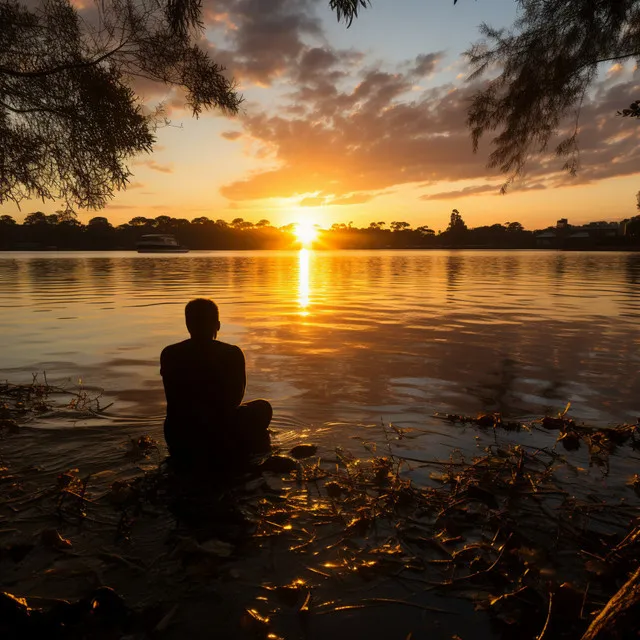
231, 349
187, 346
176, 347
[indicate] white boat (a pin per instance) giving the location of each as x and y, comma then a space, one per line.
159, 243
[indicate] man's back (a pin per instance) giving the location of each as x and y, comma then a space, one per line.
204, 381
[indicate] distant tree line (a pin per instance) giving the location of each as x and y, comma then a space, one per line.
63, 231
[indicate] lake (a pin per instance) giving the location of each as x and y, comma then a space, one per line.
341, 343
341, 337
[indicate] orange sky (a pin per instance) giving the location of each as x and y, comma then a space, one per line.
343, 126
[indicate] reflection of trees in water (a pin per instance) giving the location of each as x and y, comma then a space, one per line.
558, 268
169, 275
632, 273
340, 271
147, 273
53, 270
601, 265
239, 272
101, 272
204, 275
454, 273
592, 267
179, 278
374, 270
630, 305
512, 268
399, 267
55, 278
12, 276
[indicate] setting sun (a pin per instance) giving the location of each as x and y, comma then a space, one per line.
306, 233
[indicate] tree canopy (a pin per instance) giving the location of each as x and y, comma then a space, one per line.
69, 116
546, 63
62, 231
542, 68
42, 231
70, 119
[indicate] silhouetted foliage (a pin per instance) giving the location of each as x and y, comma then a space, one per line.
633, 111
347, 10
69, 118
63, 231
456, 223
546, 63
456, 229
633, 227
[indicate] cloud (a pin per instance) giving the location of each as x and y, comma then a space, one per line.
314, 62
368, 138
346, 129
615, 69
155, 166
121, 207
425, 64
475, 190
369, 131
322, 65
312, 202
356, 198
264, 39
257, 41
462, 193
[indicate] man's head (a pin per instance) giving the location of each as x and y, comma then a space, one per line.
203, 321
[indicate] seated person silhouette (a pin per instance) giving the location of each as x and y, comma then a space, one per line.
207, 428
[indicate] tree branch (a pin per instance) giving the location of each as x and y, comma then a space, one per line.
624, 56
58, 112
63, 67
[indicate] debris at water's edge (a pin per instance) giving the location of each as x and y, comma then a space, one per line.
346, 534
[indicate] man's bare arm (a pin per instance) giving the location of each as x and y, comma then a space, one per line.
237, 378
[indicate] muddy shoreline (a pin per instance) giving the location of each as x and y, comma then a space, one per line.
512, 538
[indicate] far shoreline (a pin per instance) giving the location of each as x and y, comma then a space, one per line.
607, 249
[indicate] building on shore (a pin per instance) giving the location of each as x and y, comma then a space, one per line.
586, 236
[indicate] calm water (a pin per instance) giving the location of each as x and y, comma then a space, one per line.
340, 339
339, 342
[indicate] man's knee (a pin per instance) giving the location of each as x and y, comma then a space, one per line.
264, 411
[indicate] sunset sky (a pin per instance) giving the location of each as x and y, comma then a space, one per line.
364, 124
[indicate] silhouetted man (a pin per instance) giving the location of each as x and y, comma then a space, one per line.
204, 383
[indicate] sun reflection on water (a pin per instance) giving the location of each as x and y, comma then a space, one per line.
303, 281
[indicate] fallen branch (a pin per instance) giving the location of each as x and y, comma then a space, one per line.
618, 612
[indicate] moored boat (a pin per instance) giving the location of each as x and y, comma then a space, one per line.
159, 243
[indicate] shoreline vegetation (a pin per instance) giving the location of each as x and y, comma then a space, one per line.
62, 231
510, 542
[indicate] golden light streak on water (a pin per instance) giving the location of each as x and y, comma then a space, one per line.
303, 281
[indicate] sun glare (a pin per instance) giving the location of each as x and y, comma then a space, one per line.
303, 281
306, 233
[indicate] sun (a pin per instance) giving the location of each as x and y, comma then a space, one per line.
306, 233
